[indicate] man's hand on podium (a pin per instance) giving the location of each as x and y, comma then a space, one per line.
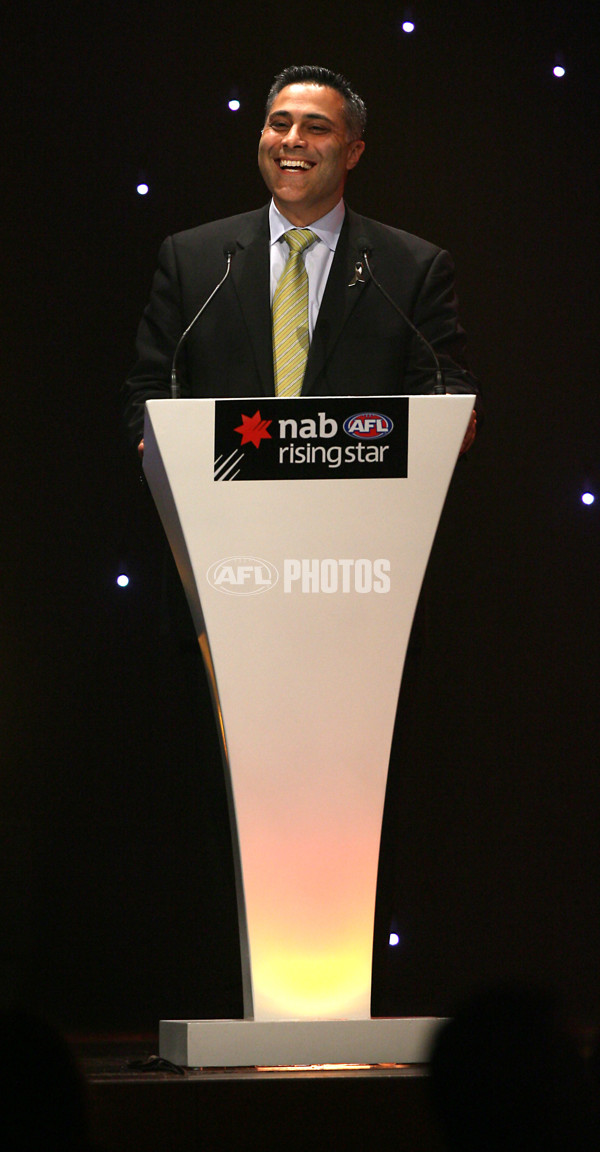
141, 449
467, 442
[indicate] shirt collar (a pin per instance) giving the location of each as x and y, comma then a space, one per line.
328, 228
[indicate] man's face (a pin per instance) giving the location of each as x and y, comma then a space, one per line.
304, 153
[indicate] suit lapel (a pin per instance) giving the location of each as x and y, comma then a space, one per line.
339, 299
250, 272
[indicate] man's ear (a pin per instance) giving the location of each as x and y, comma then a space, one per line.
354, 153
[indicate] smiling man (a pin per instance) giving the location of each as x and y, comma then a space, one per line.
342, 337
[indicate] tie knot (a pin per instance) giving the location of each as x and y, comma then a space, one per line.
299, 238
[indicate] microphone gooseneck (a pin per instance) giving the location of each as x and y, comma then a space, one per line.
365, 249
229, 250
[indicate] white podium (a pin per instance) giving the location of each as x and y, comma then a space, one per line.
301, 530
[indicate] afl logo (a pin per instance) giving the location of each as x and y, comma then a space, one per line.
368, 426
242, 575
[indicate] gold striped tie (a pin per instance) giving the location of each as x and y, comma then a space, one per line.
290, 316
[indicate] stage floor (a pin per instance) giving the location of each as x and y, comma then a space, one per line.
137, 1105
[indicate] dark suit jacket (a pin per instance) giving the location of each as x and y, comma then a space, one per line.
360, 345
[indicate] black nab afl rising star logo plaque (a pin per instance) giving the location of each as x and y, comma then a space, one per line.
311, 438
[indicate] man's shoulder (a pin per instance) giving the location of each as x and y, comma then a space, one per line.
396, 240
229, 229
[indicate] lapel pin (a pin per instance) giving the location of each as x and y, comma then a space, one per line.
359, 274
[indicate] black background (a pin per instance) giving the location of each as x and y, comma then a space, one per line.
492, 862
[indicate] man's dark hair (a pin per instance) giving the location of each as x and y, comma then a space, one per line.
355, 112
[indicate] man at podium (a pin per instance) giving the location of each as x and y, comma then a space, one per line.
300, 297
314, 299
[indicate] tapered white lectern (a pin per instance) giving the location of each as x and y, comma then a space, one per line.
301, 530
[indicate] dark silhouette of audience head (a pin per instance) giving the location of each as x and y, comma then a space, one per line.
506, 1076
43, 1091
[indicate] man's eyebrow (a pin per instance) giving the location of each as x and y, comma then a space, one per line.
318, 116
305, 115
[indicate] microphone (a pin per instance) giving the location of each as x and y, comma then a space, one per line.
229, 251
365, 249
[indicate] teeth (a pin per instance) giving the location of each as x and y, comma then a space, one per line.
293, 164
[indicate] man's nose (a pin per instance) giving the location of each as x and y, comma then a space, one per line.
294, 137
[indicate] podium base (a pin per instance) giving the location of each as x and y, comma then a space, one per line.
297, 1043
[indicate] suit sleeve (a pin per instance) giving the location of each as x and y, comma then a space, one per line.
159, 331
435, 314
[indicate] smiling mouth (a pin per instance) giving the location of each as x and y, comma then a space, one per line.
294, 165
